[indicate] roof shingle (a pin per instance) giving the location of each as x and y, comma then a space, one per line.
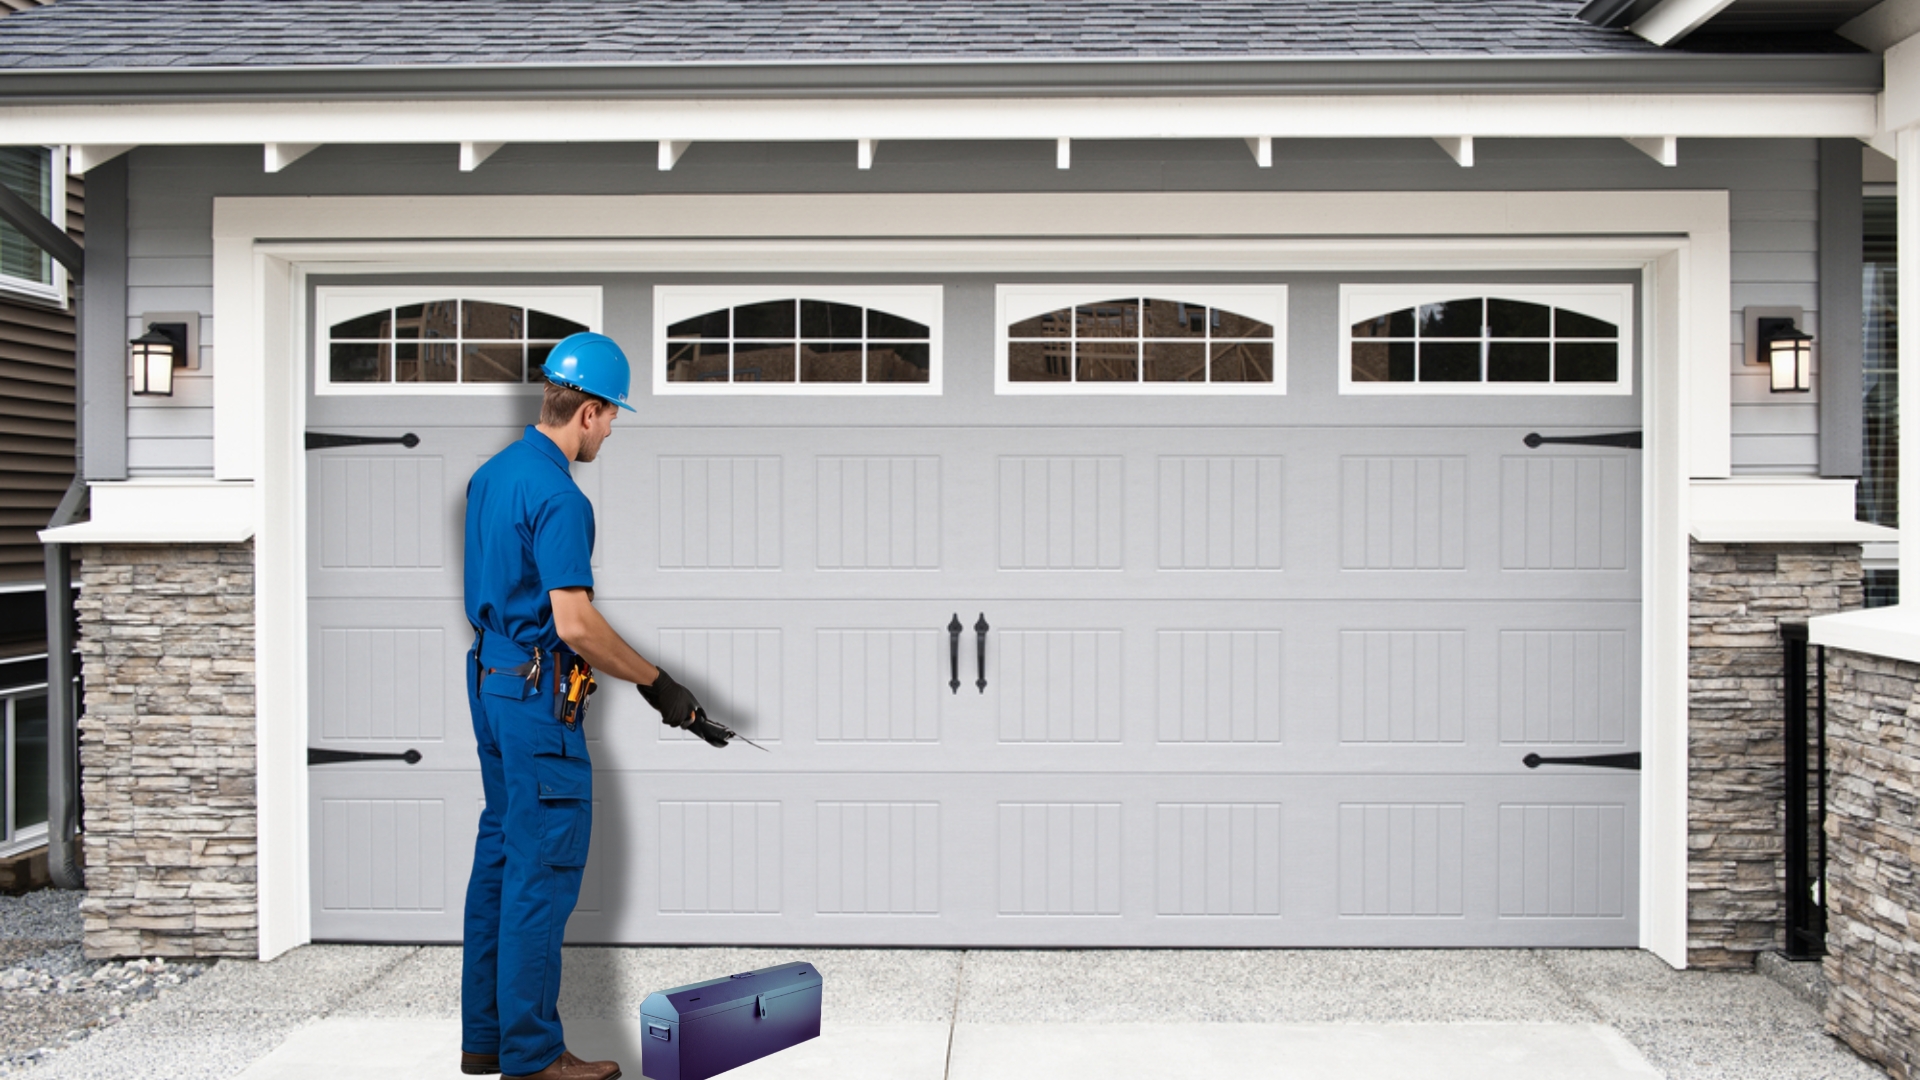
281, 33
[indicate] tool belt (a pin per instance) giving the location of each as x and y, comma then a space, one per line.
569, 677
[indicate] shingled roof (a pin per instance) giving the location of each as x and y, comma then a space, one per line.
289, 33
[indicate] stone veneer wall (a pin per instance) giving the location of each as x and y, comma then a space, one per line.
1736, 816
167, 750
1873, 844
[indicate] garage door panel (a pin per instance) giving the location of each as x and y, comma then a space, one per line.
390, 859
384, 674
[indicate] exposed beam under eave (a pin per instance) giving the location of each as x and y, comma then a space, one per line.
670, 151
279, 155
863, 152
1627, 115
82, 158
1664, 149
1063, 153
1262, 147
474, 154
1670, 20
1459, 148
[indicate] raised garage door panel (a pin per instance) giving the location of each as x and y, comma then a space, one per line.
1246, 683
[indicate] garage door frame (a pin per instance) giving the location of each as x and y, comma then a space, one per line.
264, 249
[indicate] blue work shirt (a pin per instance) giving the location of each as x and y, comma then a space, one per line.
529, 530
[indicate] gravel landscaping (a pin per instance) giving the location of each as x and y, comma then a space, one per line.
50, 994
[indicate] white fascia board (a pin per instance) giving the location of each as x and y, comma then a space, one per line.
1670, 20
162, 511
1626, 115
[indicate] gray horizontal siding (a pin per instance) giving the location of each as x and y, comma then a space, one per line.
1772, 185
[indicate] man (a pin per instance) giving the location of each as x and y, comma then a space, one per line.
529, 595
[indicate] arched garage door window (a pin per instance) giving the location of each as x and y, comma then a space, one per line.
1142, 339
1565, 339
797, 339
446, 340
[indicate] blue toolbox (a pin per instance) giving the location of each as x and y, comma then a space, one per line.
697, 1031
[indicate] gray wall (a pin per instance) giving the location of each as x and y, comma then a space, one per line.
1774, 186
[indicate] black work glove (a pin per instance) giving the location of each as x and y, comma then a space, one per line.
675, 703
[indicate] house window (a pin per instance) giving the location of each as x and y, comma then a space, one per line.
1160, 339
30, 173
808, 340
444, 340
1566, 339
23, 767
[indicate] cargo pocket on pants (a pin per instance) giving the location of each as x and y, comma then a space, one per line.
566, 808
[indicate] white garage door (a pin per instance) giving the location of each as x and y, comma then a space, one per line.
1259, 668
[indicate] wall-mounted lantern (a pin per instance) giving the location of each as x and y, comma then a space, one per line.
154, 355
1788, 352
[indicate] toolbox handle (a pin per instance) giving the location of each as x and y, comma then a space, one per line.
661, 1032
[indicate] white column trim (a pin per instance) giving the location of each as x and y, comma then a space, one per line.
263, 247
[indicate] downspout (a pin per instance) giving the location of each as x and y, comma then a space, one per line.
63, 741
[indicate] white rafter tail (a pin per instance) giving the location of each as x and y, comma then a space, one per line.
1063, 153
80, 159
670, 151
1664, 149
867, 147
1262, 147
1670, 20
472, 154
279, 155
1459, 149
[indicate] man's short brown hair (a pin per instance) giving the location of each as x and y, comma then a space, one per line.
562, 402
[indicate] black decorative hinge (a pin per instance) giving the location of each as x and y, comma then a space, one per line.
320, 440
1595, 761
1626, 440
339, 757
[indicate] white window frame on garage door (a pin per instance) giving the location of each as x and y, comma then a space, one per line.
921, 303
265, 249
331, 303
1012, 303
1610, 302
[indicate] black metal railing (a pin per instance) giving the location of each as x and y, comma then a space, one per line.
1806, 794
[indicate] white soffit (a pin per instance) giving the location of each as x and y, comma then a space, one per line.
1441, 116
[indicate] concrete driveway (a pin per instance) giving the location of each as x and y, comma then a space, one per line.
371, 1011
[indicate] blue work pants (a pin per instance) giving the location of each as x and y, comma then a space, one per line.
527, 862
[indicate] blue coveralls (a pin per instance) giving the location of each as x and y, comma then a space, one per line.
529, 530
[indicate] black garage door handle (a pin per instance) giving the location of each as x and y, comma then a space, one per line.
1626, 440
1593, 761
340, 757
321, 440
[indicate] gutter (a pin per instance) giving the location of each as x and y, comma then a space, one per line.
1666, 72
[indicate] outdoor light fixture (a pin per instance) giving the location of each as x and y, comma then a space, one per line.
154, 355
1788, 352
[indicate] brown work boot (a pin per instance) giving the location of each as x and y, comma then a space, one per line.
479, 1064
568, 1067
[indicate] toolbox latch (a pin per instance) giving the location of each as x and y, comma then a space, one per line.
760, 1004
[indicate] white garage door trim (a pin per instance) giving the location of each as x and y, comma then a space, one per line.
1679, 241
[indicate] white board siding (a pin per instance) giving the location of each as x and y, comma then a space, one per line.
1772, 186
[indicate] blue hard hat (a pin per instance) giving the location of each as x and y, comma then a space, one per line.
593, 364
